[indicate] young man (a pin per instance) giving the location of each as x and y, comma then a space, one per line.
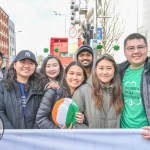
20, 93
1, 64
135, 75
85, 56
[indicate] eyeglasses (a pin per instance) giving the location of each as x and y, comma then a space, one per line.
140, 48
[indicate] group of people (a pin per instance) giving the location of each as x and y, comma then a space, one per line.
109, 95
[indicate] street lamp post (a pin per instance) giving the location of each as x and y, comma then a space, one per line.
16, 32
95, 19
95, 27
59, 14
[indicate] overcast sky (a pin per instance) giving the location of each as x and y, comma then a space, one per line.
37, 21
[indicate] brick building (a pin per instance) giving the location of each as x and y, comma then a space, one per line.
4, 34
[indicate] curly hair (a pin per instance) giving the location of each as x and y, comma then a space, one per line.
10, 75
116, 95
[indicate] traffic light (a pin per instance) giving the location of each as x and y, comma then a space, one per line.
91, 32
86, 34
88, 31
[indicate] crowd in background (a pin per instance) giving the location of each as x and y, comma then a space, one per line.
108, 95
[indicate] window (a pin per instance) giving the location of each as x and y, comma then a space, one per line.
65, 54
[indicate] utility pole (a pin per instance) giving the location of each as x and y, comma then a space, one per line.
95, 28
95, 19
137, 15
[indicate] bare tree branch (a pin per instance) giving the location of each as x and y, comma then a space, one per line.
112, 24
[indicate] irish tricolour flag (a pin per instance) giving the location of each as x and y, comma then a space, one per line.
64, 112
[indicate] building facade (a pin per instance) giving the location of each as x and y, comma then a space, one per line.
12, 40
84, 14
4, 34
146, 21
97, 22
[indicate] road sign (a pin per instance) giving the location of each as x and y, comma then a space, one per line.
99, 33
72, 32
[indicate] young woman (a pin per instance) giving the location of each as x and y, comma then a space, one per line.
52, 71
75, 75
20, 93
100, 98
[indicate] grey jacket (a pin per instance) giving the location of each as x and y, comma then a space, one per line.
11, 107
145, 84
103, 118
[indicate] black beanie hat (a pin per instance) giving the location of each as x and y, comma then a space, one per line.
84, 48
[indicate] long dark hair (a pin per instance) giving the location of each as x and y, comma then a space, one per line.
1, 55
59, 78
65, 86
116, 99
10, 76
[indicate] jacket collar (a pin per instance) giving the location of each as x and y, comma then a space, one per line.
125, 64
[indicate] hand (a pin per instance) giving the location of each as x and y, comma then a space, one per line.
64, 126
146, 133
71, 126
79, 117
53, 84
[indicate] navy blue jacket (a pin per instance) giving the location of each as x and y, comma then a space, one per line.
44, 115
11, 107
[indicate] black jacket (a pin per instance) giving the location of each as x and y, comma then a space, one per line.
145, 84
3, 69
44, 118
11, 107
3, 72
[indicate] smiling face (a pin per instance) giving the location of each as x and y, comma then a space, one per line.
136, 52
52, 69
105, 71
24, 69
74, 77
85, 58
